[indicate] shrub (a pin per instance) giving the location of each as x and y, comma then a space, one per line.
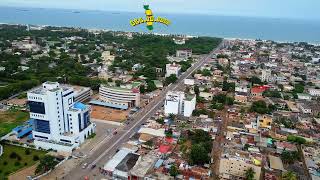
36, 158
19, 158
13, 155
27, 152
17, 163
5, 163
25, 164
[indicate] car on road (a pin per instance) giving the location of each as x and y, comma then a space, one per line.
114, 133
84, 166
93, 166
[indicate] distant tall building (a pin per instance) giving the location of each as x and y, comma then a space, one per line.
266, 75
178, 103
173, 69
184, 53
59, 122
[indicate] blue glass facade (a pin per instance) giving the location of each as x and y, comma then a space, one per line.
41, 126
86, 119
37, 107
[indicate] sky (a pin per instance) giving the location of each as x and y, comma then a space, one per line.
293, 9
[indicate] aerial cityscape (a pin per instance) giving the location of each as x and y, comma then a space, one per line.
80, 103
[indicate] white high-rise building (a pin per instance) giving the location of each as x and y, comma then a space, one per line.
59, 122
266, 75
173, 69
178, 103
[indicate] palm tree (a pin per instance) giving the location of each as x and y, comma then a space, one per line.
289, 176
250, 174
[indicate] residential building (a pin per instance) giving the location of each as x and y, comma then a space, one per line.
60, 123
178, 103
258, 90
107, 57
241, 88
266, 75
234, 166
122, 97
121, 163
241, 97
184, 53
264, 121
174, 69
304, 96
179, 41
314, 92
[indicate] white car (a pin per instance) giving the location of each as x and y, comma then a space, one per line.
84, 166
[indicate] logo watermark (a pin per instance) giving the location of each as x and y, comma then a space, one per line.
150, 19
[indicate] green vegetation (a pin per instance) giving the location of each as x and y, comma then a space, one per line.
230, 87
11, 119
220, 100
15, 158
249, 174
289, 175
171, 79
272, 93
255, 80
92, 136
286, 122
290, 157
47, 163
298, 88
201, 147
173, 171
261, 107
67, 67
296, 139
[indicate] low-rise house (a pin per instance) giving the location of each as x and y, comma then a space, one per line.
304, 96
285, 146
314, 92
241, 97
264, 121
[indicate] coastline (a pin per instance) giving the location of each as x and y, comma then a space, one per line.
155, 33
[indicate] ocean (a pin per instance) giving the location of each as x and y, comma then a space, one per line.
285, 30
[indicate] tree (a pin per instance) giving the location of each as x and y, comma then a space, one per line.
249, 174
289, 175
160, 121
171, 79
296, 139
198, 155
196, 90
118, 83
142, 89
255, 80
259, 107
151, 86
47, 163
298, 88
289, 157
173, 170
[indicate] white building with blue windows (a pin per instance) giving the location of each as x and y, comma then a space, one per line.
59, 122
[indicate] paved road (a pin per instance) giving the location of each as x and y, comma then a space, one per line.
108, 148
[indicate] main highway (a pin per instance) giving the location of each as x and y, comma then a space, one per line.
108, 147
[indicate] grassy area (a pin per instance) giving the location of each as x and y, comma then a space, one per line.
10, 119
15, 158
